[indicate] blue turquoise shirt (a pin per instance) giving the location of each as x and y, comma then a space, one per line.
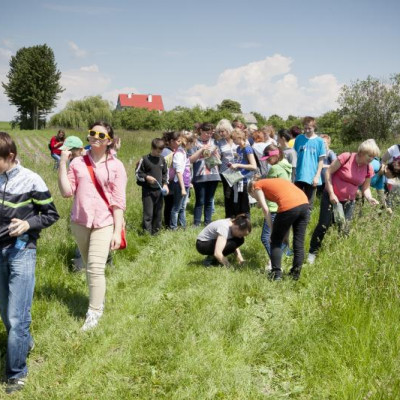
377, 181
309, 152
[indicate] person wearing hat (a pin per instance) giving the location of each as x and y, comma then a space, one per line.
74, 145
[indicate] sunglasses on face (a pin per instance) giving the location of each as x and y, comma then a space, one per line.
99, 135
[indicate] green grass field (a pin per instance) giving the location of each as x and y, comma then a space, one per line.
173, 329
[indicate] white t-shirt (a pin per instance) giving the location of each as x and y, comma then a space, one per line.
221, 227
179, 162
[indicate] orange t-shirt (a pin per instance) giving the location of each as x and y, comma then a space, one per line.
280, 191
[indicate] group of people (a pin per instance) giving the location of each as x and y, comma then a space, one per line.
280, 172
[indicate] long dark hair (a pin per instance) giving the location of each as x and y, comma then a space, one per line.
110, 132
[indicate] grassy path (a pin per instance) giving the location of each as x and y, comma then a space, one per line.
174, 329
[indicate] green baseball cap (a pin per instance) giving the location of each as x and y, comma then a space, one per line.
72, 142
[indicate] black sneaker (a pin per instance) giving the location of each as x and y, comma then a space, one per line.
14, 385
210, 260
275, 275
294, 274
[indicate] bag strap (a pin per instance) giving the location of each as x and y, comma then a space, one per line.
94, 180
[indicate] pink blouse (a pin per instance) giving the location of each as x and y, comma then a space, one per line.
89, 209
349, 177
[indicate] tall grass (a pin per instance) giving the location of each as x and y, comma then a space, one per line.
173, 329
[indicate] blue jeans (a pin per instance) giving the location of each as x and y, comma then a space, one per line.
266, 235
17, 282
204, 198
178, 207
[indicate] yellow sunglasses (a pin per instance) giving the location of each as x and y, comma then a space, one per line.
99, 135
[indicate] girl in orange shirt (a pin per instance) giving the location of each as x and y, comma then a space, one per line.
293, 211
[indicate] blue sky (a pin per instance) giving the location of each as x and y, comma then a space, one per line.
285, 57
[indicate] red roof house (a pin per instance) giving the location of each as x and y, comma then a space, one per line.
149, 101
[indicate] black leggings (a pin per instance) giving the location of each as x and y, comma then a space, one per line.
297, 217
208, 248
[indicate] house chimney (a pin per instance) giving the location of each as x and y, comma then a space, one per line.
149, 98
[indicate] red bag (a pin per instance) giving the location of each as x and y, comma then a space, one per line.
103, 196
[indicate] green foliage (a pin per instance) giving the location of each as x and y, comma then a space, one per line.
261, 120
276, 121
279, 123
33, 85
81, 113
177, 119
230, 105
370, 109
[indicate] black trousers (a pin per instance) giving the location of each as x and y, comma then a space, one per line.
309, 191
152, 210
298, 218
326, 219
168, 203
233, 209
207, 248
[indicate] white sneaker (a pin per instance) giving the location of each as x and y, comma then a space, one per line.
311, 258
92, 319
268, 266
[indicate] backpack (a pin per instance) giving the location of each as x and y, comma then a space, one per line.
49, 145
262, 166
168, 160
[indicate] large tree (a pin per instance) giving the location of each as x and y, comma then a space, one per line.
33, 84
230, 105
370, 108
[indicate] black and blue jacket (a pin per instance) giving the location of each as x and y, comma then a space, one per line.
24, 195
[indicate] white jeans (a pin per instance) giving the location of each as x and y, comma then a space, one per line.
94, 245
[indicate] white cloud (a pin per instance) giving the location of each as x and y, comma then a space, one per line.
79, 83
7, 112
5, 55
88, 81
90, 68
76, 51
266, 86
8, 43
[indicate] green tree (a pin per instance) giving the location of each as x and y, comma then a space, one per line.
330, 123
33, 84
81, 113
261, 120
370, 109
230, 105
276, 121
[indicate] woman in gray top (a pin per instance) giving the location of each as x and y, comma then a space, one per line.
223, 237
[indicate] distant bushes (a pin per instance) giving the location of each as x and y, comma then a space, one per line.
81, 113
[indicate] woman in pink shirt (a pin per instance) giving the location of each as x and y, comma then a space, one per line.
342, 179
95, 224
